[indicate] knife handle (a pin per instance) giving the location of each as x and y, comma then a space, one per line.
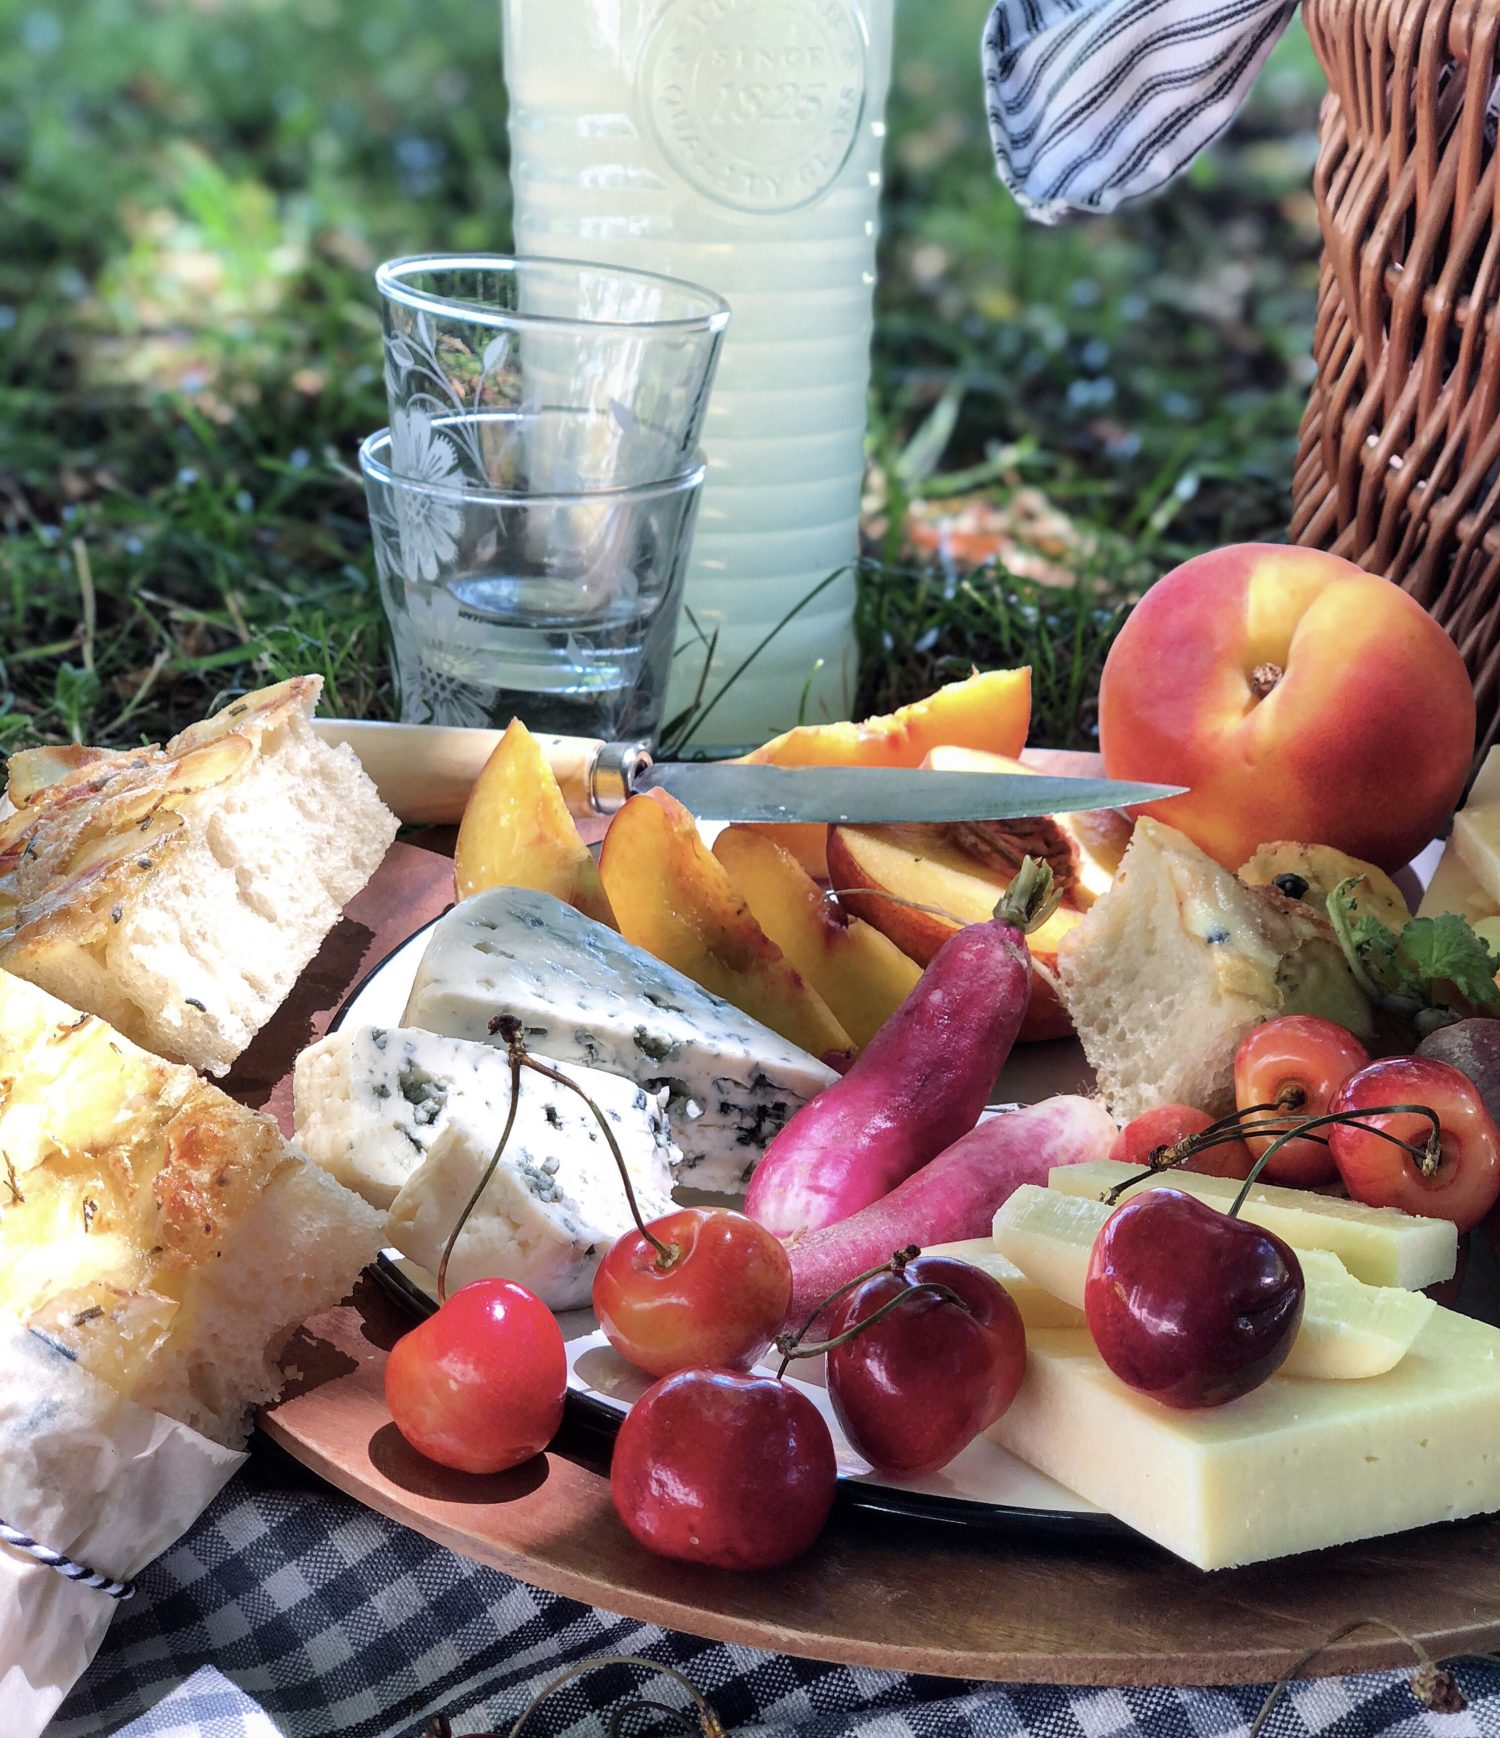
424, 772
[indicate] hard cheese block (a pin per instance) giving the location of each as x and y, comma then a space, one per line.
1039, 1307
554, 1203
1455, 888
1476, 828
1380, 1245
584, 994
1349, 1330
1294, 1466
1467, 878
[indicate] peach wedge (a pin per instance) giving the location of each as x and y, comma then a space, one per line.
1093, 841
989, 711
861, 974
517, 832
883, 874
674, 898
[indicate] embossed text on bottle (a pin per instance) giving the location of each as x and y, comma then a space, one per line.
756, 104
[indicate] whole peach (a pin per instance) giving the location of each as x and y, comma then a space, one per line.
1298, 697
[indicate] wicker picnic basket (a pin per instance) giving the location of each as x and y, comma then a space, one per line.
1399, 463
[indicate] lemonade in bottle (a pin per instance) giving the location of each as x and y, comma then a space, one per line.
734, 143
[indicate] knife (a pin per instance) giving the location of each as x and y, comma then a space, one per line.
424, 772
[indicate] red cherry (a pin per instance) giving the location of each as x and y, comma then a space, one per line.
922, 1382
1170, 1123
1187, 1304
712, 1466
718, 1300
479, 1385
1466, 1183
1298, 1061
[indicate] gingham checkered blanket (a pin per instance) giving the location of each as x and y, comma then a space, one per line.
291, 1612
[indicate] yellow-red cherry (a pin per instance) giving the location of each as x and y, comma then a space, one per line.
1297, 1063
1465, 1183
707, 1287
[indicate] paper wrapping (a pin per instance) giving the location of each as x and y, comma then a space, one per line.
104, 1481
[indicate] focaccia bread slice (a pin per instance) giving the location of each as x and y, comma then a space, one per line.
161, 1235
1178, 960
178, 892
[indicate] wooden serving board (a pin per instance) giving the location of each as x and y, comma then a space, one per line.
1022, 1607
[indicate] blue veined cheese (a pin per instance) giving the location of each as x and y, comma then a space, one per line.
370, 1103
585, 994
555, 1202
410, 1120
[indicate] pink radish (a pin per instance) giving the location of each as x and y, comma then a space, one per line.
953, 1196
919, 1084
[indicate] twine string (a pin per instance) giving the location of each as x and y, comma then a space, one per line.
65, 1566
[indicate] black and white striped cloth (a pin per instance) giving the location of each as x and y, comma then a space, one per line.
1092, 102
289, 1611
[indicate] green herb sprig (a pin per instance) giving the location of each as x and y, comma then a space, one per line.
1430, 973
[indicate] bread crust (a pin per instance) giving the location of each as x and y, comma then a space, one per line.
126, 1183
93, 827
178, 891
1178, 960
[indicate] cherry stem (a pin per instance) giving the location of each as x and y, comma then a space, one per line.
517, 1057
508, 1027
707, 1721
1221, 1133
897, 1264
1280, 1129
1427, 1156
792, 1346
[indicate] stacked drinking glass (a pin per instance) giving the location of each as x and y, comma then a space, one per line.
533, 498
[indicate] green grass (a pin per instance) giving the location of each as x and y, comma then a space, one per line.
189, 347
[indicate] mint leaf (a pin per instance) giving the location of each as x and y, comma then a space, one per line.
1455, 963
1435, 970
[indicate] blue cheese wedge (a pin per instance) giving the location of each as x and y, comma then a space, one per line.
368, 1102
410, 1120
584, 994
555, 1202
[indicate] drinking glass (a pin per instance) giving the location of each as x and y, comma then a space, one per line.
557, 605
736, 143
468, 333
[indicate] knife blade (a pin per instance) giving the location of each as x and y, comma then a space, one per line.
724, 791
424, 772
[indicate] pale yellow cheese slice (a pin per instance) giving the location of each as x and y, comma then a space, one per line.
1485, 790
1475, 845
1349, 1331
1455, 889
1380, 1245
1039, 1307
1294, 1466
1476, 842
